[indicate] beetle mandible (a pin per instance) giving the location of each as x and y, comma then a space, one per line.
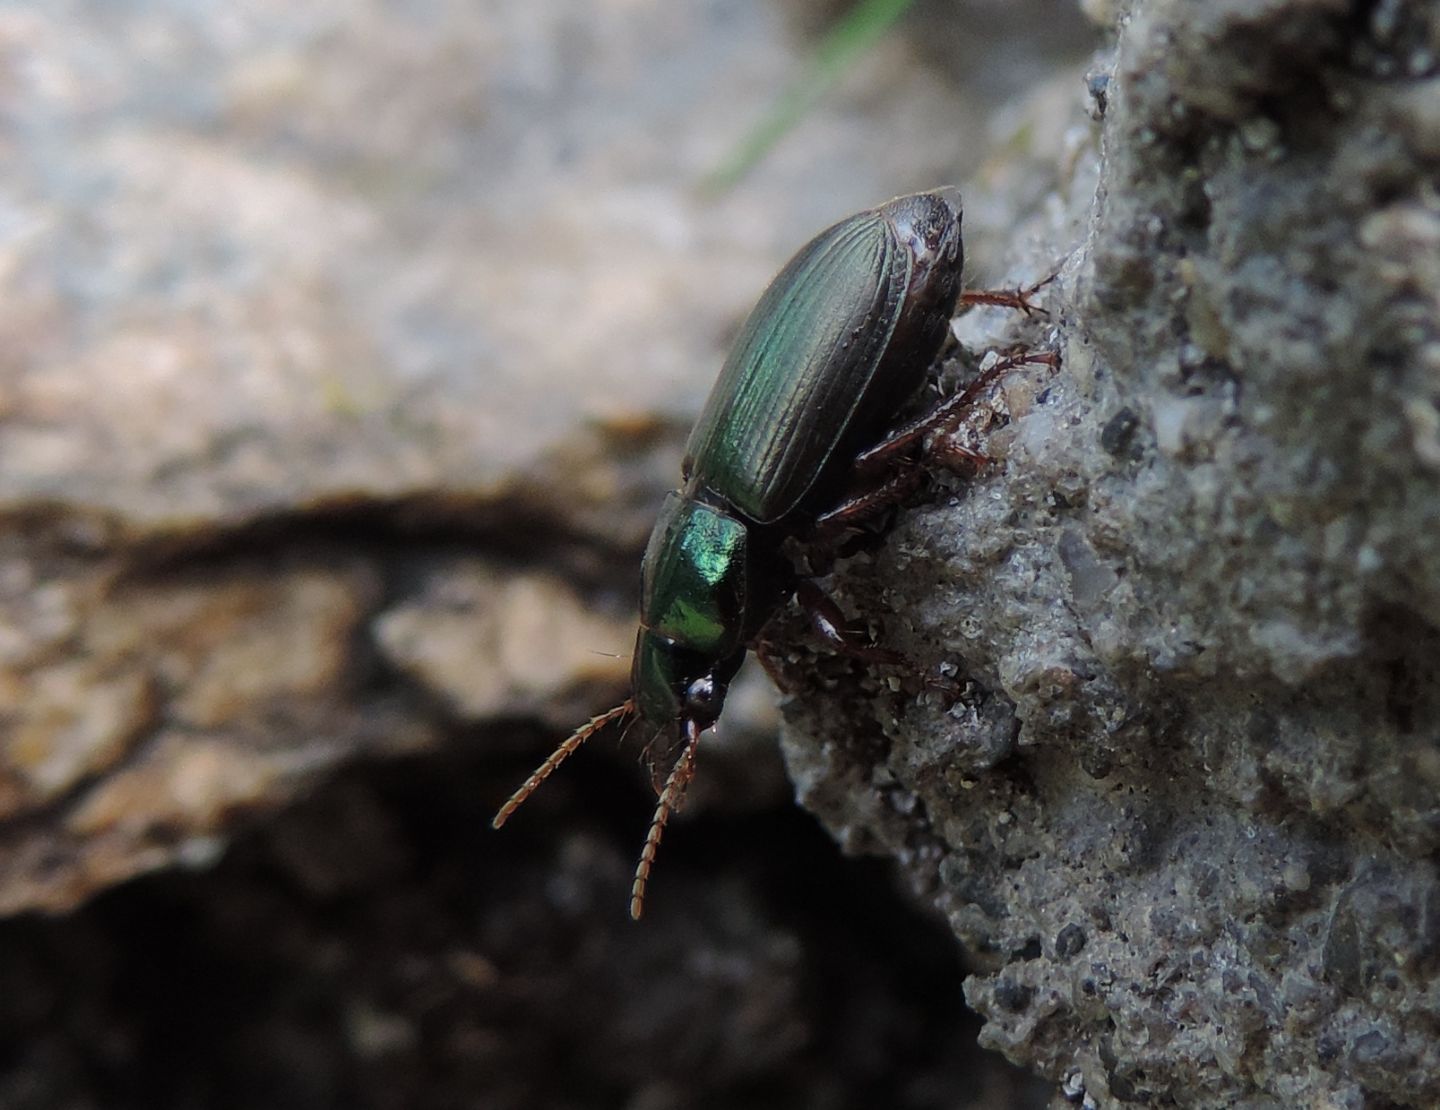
840, 340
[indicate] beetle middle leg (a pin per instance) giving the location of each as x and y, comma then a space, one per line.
902, 441
868, 503
888, 473
885, 476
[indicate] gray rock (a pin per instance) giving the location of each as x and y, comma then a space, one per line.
1183, 803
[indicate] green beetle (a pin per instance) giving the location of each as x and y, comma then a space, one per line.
840, 340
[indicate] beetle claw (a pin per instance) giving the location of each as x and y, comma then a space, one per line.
1010, 298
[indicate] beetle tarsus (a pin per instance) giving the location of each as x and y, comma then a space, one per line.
566, 749
1010, 298
670, 798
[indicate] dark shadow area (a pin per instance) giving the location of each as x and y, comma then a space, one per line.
378, 946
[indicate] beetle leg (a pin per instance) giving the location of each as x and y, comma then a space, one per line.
867, 504
914, 434
886, 473
558, 756
829, 621
670, 797
1010, 298
955, 456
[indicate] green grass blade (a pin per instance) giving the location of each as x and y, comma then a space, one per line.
865, 25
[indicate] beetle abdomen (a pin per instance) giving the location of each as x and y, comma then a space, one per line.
799, 368
836, 343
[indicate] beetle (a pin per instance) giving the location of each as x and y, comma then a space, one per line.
839, 341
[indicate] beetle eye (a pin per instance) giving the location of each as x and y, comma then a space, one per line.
701, 697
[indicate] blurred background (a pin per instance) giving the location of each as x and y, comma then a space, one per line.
345, 352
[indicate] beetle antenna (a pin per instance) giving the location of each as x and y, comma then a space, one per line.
559, 756
670, 797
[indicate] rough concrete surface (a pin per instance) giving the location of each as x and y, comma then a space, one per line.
1184, 807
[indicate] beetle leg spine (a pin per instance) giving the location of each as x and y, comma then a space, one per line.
566, 749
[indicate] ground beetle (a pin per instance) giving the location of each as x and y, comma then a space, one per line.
790, 444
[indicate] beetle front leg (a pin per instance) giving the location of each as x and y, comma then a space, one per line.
826, 617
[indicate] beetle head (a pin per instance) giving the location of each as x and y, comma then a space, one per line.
673, 685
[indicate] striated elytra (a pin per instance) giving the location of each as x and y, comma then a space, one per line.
839, 341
